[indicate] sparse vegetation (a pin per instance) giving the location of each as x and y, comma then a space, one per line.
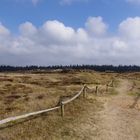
29, 92
134, 93
112, 91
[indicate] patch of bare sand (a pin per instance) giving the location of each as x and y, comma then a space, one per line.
118, 120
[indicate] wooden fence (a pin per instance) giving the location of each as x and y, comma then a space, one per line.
60, 106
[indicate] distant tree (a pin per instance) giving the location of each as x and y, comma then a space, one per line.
103, 68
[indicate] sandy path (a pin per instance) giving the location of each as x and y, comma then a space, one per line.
116, 121
119, 121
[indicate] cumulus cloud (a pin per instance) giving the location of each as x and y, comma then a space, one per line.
96, 26
54, 43
58, 32
130, 28
27, 29
3, 30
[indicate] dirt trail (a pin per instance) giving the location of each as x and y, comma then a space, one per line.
119, 121
116, 121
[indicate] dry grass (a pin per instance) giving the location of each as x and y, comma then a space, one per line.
28, 92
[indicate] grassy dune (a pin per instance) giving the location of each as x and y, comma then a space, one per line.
27, 92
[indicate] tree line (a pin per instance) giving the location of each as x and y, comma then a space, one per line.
100, 68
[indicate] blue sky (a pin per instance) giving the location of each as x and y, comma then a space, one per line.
65, 31
15, 12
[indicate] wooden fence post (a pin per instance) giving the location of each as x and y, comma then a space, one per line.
96, 90
112, 84
107, 88
62, 109
84, 91
60, 105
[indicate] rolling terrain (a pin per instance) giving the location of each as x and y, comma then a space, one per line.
109, 115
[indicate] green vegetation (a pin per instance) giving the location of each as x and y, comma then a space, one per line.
112, 91
134, 93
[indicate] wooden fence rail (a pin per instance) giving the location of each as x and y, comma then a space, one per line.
12, 119
61, 106
74, 97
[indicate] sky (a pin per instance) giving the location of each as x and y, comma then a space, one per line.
64, 32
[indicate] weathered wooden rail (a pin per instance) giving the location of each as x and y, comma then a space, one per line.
83, 90
61, 106
11, 119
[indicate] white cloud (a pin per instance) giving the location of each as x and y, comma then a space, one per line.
96, 26
130, 28
58, 32
27, 29
3, 30
55, 43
